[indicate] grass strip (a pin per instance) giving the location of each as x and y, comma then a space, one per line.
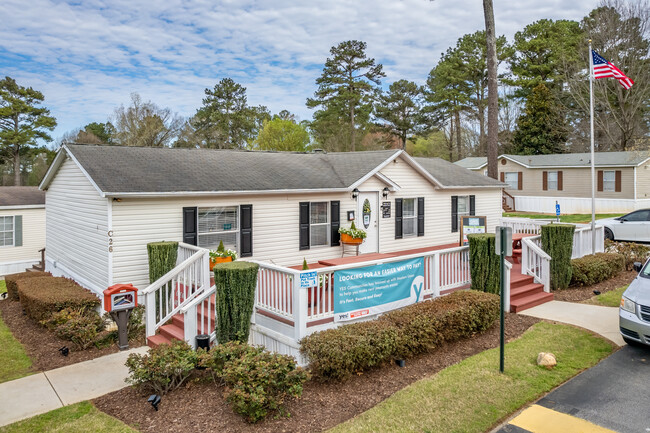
473, 396
77, 418
609, 299
14, 362
3, 286
569, 218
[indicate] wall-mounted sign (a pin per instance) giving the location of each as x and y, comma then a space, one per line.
366, 213
227, 226
350, 215
375, 289
471, 224
385, 209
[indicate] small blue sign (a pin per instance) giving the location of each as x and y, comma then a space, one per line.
557, 209
309, 279
227, 226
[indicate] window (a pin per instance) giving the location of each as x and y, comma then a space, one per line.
638, 216
552, 180
463, 206
512, 179
319, 223
218, 224
6, 231
409, 217
609, 180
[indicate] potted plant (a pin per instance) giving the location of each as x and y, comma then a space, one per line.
221, 255
352, 235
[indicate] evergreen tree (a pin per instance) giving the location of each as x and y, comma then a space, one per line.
401, 109
541, 129
22, 122
347, 89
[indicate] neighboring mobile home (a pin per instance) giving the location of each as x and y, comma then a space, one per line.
22, 227
105, 203
537, 181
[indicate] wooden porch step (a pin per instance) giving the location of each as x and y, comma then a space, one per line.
157, 339
525, 290
172, 332
530, 301
518, 279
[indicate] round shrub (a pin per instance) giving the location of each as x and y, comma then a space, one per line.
81, 327
235, 298
593, 269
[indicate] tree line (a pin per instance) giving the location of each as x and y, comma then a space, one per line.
543, 102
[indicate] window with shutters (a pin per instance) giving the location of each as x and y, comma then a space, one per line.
7, 231
218, 224
552, 180
609, 180
512, 179
463, 206
409, 217
319, 223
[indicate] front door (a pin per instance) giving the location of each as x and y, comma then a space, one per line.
368, 203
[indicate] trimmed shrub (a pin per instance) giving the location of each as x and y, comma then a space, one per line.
632, 252
135, 326
12, 287
592, 269
557, 242
164, 368
337, 354
43, 296
484, 263
82, 327
257, 382
162, 258
235, 297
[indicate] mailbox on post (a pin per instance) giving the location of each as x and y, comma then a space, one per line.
119, 301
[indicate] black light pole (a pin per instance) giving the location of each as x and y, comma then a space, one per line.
503, 238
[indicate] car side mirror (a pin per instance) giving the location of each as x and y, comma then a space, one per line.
637, 266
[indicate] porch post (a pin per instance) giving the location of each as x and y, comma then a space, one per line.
435, 274
299, 308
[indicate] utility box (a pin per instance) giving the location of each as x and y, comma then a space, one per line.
119, 301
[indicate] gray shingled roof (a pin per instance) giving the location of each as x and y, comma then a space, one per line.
117, 169
451, 175
21, 196
472, 162
629, 158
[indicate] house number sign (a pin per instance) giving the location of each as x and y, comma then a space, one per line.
110, 241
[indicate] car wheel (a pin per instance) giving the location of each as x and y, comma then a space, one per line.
632, 342
608, 234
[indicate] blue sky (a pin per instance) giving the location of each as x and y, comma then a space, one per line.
87, 56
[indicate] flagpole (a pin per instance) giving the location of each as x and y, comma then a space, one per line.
593, 168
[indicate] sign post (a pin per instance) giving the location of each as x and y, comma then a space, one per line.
557, 211
503, 246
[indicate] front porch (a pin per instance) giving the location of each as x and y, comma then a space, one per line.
286, 311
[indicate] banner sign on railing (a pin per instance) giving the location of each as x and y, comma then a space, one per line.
371, 290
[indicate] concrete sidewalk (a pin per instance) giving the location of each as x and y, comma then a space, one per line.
601, 320
43, 392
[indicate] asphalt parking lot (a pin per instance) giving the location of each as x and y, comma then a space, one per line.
615, 394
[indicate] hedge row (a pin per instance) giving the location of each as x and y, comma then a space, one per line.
595, 268
339, 353
43, 296
12, 287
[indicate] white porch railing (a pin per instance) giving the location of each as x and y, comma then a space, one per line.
582, 241
177, 288
529, 226
535, 262
200, 317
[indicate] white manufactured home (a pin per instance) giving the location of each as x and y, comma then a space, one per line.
105, 203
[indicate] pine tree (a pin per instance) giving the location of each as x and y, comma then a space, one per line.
401, 109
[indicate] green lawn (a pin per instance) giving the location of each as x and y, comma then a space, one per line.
609, 299
78, 418
3, 286
573, 218
473, 396
14, 362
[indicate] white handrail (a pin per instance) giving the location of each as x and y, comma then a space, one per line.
535, 262
201, 307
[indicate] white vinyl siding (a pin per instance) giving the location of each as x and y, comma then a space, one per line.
7, 231
219, 224
609, 180
33, 223
77, 229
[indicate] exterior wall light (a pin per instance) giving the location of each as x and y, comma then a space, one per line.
355, 193
384, 192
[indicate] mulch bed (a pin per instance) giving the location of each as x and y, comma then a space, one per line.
199, 406
42, 346
579, 294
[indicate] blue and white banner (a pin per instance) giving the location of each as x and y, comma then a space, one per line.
375, 289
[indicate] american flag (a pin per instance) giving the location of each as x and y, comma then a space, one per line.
604, 69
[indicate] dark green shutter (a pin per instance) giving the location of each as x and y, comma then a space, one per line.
18, 231
335, 223
454, 213
190, 222
246, 230
472, 205
398, 219
304, 225
420, 216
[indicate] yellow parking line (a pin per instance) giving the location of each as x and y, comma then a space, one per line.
538, 419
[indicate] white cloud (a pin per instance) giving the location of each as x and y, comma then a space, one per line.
87, 57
